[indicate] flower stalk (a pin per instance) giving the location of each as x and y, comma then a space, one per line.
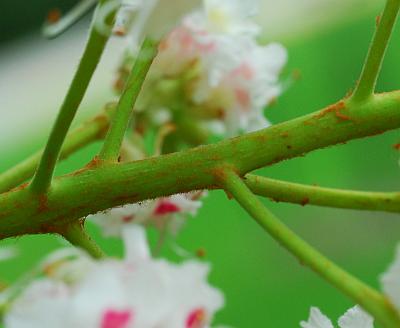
88, 132
366, 85
91, 57
113, 141
75, 233
370, 299
282, 191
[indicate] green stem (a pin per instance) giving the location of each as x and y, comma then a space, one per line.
77, 236
282, 191
119, 124
94, 189
75, 140
91, 57
369, 75
370, 299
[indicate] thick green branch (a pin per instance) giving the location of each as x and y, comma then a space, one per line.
369, 75
282, 191
115, 135
79, 138
370, 299
91, 57
95, 189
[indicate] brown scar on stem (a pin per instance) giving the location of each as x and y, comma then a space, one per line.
53, 16
377, 20
94, 163
284, 134
42, 203
337, 110
201, 253
396, 146
305, 201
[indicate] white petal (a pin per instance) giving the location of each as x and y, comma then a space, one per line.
135, 241
390, 280
316, 320
356, 318
41, 305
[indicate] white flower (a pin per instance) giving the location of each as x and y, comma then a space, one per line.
138, 292
225, 17
243, 89
166, 212
353, 318
390, 280
232, 75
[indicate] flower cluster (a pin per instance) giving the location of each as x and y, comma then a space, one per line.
212, 67
166, 213
137, 292
356, 317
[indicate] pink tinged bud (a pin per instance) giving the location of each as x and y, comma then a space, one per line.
196, 319
116, 319
165, 207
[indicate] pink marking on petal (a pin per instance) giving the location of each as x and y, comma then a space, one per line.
243, 98
128, 218
185, 38
245, 71
207, 47
196, 319
166, 207
116, 319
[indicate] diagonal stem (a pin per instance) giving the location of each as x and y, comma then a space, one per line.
91, 57
93, 189
282, 191
369, 75
113, 141
90, 131
370, 299
75, 233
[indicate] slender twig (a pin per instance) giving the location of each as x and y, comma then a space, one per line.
113, 141
86, 133
369, 75
282, 191
75, 233
96, 188
91, 57
53, 29
370, 299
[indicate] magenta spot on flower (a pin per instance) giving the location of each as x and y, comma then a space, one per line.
196, 319
116, 319
165, 207
128, 218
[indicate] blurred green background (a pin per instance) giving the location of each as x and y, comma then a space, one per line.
263, 284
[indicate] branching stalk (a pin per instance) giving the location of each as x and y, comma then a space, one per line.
113, 141
85, 134
91, 57
282, 191
369, 75
94, 189
370, 299
77, 236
